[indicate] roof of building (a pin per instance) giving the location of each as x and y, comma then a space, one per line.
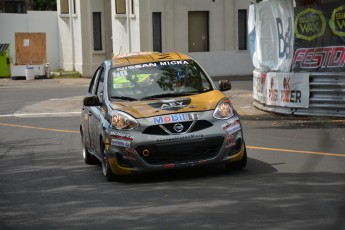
145, 57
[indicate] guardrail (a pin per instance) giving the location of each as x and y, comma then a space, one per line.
327, 97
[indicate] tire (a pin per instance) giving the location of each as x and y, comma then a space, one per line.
106, 170
87, 156
238, 165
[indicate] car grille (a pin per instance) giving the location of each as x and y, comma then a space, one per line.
168, 129
180, 152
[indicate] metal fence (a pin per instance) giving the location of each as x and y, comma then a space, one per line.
327, 97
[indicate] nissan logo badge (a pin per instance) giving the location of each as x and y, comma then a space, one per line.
178, 127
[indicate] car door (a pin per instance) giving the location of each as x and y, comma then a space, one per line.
87, 112
95, 113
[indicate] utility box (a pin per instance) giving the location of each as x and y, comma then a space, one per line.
5, 65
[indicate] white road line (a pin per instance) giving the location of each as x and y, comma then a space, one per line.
38, 114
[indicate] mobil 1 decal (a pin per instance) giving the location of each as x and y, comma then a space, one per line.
171, 104
173, 118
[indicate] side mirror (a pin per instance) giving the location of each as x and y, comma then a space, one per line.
91, 101
224, 85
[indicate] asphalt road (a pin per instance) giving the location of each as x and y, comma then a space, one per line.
295, 178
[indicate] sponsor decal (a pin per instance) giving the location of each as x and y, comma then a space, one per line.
130, 150
130, 154
234, 128
120, 143
229, 141
337, 22
310, 24
121, 71
164, 56
232, 125
180, 138
117, 135
138, 66
230, 122
174, 118
173, 104
321, 57
173, 63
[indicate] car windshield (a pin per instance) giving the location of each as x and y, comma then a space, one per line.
157, 80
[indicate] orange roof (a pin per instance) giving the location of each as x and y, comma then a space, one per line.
145, 57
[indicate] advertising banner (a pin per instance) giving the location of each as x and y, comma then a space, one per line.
287, 89
270, 28
319, 36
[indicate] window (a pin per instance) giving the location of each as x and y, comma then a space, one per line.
94, 80
97, 31
120, 6
99, 91
64, 6
242, 29
157, 31
15, 7
132, 5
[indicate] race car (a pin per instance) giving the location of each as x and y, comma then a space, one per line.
158, 111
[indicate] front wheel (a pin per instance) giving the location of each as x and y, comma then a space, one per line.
108, 174
238, 165
87, 156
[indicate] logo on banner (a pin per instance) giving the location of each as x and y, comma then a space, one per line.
284, 39
281, 92
337, 22
273, 90
310, 24
319, 57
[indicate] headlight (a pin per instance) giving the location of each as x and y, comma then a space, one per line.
123, 121
223, 110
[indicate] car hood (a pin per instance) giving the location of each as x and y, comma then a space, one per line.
149, 108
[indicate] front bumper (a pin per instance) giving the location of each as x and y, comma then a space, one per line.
134, 151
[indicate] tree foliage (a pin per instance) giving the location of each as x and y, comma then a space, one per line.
45, 5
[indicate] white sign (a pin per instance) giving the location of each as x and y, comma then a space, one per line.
26, 42
287, 89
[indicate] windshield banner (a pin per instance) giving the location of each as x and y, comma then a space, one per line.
319, 36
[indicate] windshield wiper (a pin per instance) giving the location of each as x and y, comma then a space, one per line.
169, 95
124, 98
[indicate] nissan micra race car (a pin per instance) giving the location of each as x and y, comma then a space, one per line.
158, 111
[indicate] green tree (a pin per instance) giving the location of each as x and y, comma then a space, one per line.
45, 5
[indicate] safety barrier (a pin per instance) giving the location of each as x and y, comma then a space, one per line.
327, 97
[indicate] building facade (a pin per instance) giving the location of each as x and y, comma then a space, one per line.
212, 31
